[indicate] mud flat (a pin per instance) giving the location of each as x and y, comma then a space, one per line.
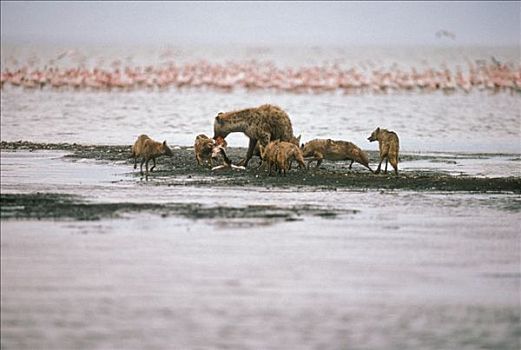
181, 169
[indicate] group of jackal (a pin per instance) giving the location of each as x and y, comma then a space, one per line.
271, 138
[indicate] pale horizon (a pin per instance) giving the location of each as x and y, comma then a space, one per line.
258, 24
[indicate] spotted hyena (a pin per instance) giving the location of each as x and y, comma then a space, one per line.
261, 124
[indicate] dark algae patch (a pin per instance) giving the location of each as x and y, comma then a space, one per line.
181, 169
53, 205
60, 206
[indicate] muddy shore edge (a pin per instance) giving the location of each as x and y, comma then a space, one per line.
181, 169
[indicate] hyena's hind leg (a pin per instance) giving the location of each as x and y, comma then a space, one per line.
154, 159
249, 153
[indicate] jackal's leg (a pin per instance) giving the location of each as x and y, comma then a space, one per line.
135, 162
198, 159
318, 158
386, 161
141, 166
379, 166
146, 165
350, 165
154, 159
262, 165
394, 163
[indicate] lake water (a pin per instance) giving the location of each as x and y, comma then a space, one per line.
476, 122
394, 270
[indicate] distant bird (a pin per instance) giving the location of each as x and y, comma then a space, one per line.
445, 33
495, 61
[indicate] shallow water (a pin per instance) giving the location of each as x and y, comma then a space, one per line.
459, 122
477, 122
405, 281
394, 270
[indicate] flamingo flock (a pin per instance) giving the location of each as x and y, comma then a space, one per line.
253, 75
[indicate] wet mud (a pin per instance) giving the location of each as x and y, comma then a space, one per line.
181, 169
64, 206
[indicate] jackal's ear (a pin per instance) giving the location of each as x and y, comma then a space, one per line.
164, 143
378, 129
298, 138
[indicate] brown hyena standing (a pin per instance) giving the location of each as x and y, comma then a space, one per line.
329, 149
261, 124
389, 148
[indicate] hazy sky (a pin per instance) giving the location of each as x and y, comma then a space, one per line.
261, 23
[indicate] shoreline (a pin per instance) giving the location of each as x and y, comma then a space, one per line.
181, 169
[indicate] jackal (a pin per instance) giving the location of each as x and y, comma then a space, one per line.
389, 147
294, 140
261, 124
281, 154
329, 149
207, 149
148, 149
269, 154
288, 152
